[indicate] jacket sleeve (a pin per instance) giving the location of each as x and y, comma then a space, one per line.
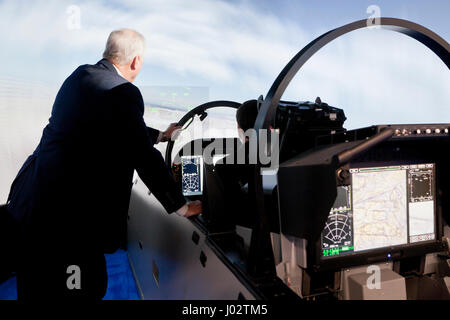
153, 133
135, 136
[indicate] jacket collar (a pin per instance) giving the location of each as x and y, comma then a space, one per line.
106, 64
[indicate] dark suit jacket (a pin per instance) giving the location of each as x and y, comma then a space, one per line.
75, 187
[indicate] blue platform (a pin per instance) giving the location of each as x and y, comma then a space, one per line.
121, 284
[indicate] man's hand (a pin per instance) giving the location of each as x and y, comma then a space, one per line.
194, 208
170, 133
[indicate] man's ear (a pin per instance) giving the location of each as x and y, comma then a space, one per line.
134, 63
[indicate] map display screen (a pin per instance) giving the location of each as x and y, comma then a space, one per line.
192, 175
384, 206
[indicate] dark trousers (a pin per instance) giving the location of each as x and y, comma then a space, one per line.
8, 250
61, 274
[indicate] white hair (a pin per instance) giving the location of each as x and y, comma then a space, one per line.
123, 45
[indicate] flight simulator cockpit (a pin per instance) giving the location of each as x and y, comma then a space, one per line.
334, 213
383, 194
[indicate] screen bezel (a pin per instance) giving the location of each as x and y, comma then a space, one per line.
395, 252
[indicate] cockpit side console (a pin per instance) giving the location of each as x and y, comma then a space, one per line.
360, 202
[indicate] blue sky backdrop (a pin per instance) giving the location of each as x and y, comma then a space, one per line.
236, 48
233, 48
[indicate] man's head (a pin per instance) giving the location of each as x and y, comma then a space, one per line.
125, 49
246, 115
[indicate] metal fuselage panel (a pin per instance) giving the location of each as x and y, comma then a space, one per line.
166, 261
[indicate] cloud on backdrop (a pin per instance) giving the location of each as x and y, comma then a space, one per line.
234, 48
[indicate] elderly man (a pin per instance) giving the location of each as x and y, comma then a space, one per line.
70, 198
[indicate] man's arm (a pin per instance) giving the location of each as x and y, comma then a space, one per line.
147, 161
163, 136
